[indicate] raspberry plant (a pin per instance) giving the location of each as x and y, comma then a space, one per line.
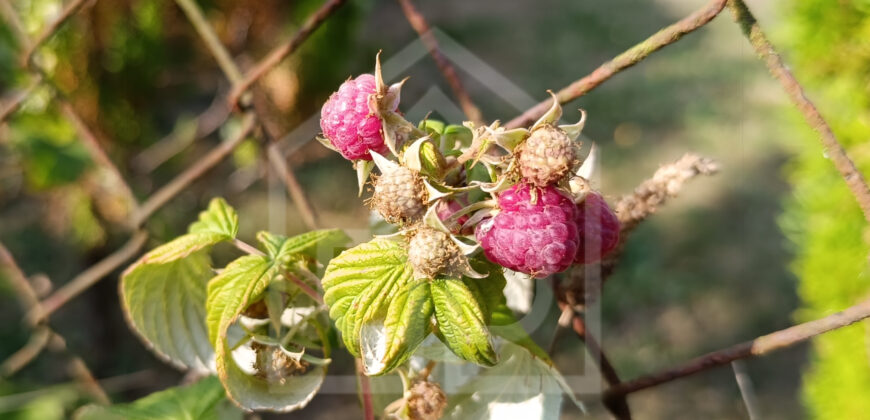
468, 203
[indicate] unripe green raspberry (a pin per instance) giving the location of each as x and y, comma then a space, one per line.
431, 252
546, 156
400, 196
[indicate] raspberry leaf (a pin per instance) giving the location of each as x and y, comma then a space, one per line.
461, 321
521, 385
318, 244
360, 283
165, 305
218, 223
197, 401
163, 294
388, 344
241, 283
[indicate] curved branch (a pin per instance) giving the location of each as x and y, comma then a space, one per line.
854, 179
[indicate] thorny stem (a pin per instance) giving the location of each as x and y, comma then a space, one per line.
623, 61
418, 22
853, 177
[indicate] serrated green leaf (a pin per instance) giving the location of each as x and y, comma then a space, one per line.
165, 306
219, 218
461, 321
238, 285
519, 386
231, 291
389, 343
216, 224
314, 244
488, 291
197, 401
360, 283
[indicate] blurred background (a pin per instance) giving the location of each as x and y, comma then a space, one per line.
773, 239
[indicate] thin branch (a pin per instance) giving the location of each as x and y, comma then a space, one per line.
21, 358
71, 9
747, 390
757, 347
418, 22
26, 295
617, 406
183, 180
279, 163
365, 392
11, 106
276, 159
212, 42
87, 278
95, 149
42, 335
278, 54
854, 179
630, 57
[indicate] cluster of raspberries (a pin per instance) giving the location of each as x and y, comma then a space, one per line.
538, 228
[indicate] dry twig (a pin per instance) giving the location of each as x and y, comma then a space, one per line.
418, 22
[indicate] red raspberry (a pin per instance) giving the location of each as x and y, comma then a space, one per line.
537, 237
599, 229
349, 124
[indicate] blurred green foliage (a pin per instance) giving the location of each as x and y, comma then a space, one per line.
829, 49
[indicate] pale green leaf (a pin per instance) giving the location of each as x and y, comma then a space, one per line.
255, 393
197, 401
461, 321
165, 306
219, 218
361, 282
230, 292
520, 386
217, 224
241, 283
407, 323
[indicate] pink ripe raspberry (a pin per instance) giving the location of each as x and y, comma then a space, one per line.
599, 229
349, 124
535, 236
